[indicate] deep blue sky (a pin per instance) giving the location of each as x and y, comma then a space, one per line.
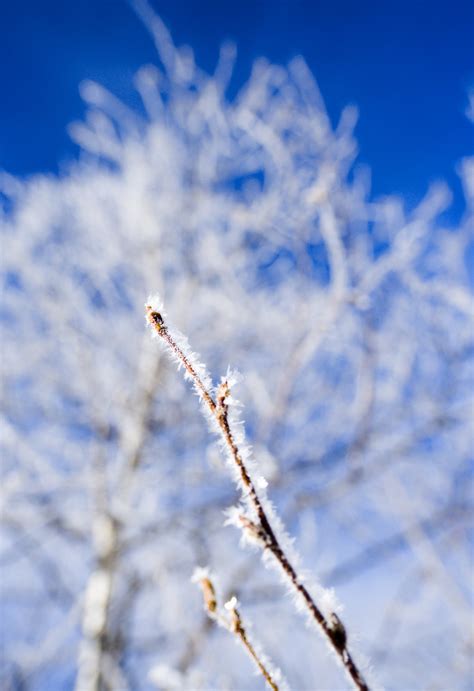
407, 64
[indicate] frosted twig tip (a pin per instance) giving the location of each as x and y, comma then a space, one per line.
155, 312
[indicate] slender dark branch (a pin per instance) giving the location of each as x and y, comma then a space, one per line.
331, 626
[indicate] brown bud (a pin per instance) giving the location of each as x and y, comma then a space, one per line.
155, 318
209, 594
337, 632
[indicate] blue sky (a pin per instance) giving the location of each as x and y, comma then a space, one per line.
407, 64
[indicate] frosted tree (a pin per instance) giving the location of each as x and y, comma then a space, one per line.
351, 321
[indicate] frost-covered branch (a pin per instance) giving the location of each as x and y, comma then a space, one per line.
259, 528
235, 625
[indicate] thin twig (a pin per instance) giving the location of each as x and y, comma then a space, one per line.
235, 624
262, 531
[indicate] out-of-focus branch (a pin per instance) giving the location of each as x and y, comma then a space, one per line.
305, 348
94, 661
358, 473
378, 551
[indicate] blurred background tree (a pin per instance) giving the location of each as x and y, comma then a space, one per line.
351, 320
